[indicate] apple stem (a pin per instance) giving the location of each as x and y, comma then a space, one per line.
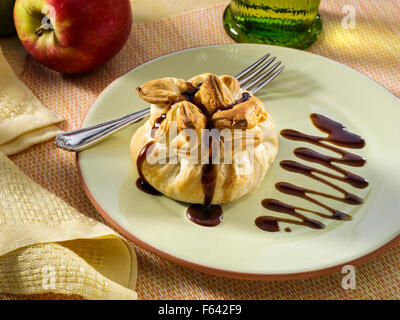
45, 26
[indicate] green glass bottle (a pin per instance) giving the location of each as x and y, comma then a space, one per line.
291, 23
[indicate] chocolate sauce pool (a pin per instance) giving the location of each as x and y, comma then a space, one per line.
338, 136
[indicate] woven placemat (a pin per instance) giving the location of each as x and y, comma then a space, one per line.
372, 48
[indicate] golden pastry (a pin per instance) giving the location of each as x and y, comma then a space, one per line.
207, 141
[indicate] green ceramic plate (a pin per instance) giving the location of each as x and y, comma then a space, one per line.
237, 248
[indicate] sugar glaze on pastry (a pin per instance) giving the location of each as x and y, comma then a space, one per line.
177, 165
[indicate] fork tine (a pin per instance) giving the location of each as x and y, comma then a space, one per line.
250, 68
258, 70
268, 80
263, 76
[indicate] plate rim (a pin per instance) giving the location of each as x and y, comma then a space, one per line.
204, 268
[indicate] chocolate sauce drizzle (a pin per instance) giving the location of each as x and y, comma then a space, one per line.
245, 97
337, 135
207, 215
158, 121
141, 182
189, 95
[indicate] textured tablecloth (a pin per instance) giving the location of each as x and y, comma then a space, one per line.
373, 48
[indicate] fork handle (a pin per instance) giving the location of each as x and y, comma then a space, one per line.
81, 139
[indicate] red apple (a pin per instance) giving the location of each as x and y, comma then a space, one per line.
73, 36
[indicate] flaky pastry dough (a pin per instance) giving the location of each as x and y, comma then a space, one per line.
246, 136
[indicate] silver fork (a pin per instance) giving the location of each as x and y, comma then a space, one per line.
253, 78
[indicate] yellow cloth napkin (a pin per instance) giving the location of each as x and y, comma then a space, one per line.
48, 246
24, 121
45, 244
